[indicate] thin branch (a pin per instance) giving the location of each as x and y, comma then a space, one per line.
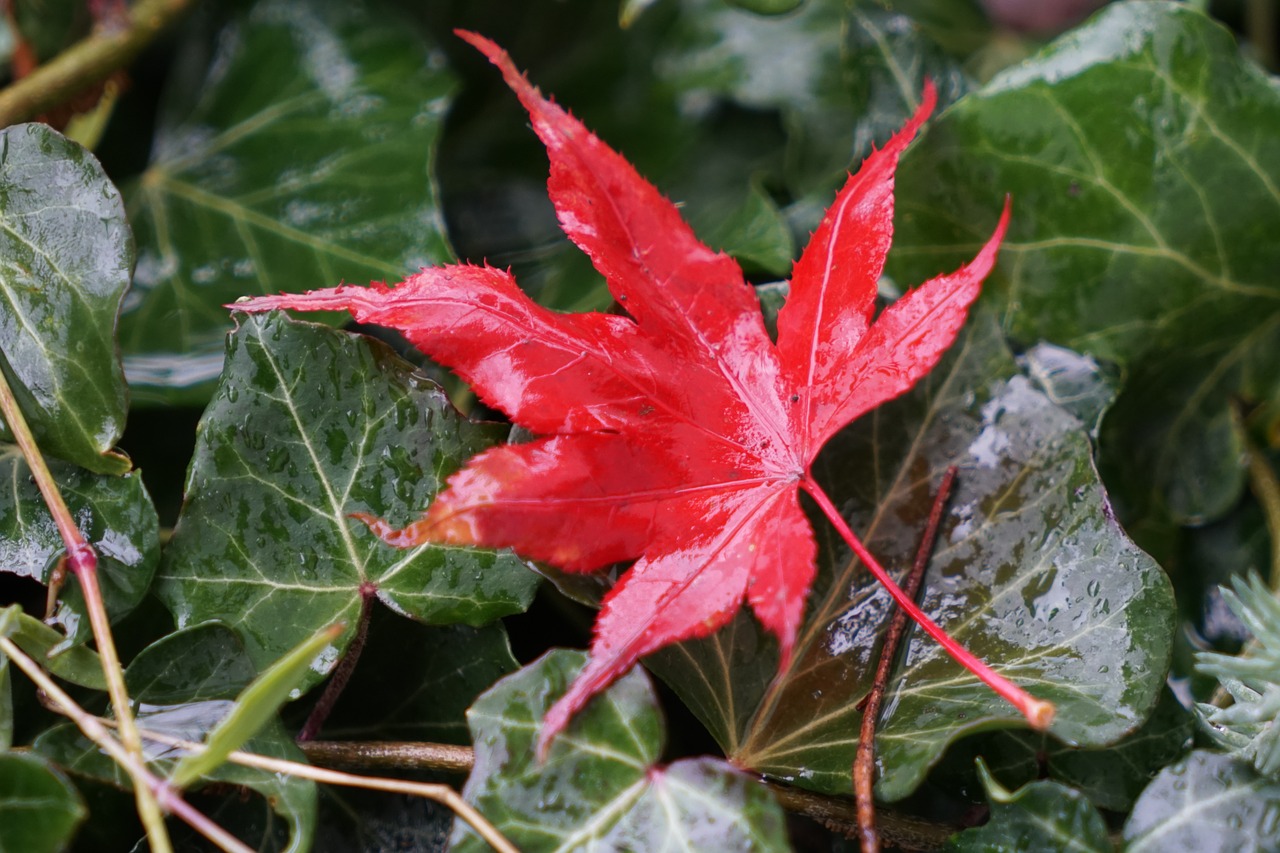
342, 673
389, 755
1038, 713
864, 774
83, 562
87, 62
96, 730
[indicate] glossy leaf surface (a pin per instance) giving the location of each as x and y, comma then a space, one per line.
65, 258
1142, 151
1038, 816
1030, 572
601, 786
185, 684
301, 157
115, 515
308, 426
39, 808
678, 436
1206, 802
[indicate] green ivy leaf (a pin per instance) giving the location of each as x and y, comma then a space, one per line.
301, 159
415, 682
1031, 573
600, 786
65, 257
114, 514
1207, 801
1038, 816
1140, 154
39, 808
185, 684
308, 426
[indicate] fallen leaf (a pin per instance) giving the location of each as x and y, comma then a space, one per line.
680, 435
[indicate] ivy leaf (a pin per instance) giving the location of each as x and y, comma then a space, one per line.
630, 803
301, 155
65, 258
185, 684
1038, 816
308, 426
1124, 133
1207, 801
679, 436
114, 514
1031, 572
39, 809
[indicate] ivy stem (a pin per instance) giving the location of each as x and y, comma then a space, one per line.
1266, 488
83, 563
864, 763
87, 62
143, 780
1039, 714
442, 794
342, 672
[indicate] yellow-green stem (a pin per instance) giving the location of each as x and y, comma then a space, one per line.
96, 731
83, 563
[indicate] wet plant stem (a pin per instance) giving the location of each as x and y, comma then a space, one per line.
442, 794
343, 671
864, 773
87, 62
83, 563
143, 780
1038, 713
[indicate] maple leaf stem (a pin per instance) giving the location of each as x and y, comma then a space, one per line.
1039, 714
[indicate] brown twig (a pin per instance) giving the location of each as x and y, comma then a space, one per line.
87, 62
343, 671
864, 763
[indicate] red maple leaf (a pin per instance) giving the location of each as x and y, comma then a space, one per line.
679, 436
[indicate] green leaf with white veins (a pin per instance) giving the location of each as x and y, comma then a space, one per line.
301, 157
308, 426
65, 257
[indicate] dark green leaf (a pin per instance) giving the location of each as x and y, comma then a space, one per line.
48, 26
302, 159
1031, 573
600, 786
415, 682
308, 426
114, 514
1206, 802
76, 664
8, 624
185, 684
39, 808
1140, 154
65, 257
1041, 816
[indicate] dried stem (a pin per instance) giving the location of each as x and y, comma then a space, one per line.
96, 730
83, 562
864, 763
342, 673
1039, 714
389, 755
442, 794
87, 62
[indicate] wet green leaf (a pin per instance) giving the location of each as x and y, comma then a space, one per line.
256, 706
415, 682
308, 426
65, 257
600, 786
77, 664
1140, 151
114, 514
185, 684
39, 808
301, 158
1039, 816
1205, 802
1031, 573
